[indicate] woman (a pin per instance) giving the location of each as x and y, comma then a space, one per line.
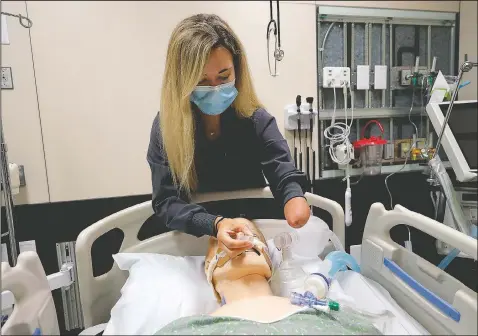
250, 308
212, 134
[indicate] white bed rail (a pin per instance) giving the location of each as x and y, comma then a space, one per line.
438, 301
99, 294
26, 286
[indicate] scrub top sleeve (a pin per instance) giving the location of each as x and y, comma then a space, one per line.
285, 180
169, 205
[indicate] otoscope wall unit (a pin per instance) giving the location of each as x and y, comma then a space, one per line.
307, 117
388, 59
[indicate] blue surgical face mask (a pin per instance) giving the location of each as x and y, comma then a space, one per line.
214, 100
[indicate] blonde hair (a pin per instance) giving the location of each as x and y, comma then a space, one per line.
189, 48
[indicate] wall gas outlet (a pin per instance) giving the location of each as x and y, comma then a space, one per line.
405, 74
7, 81
336, 77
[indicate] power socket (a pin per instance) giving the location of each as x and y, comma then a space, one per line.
335, 77
4, 253
7, 81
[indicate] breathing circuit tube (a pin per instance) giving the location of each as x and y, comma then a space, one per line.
454, 253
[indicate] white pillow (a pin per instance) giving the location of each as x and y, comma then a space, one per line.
160, 289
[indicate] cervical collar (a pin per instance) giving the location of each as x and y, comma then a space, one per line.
221, 258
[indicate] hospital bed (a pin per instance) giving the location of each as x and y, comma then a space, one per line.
437, 301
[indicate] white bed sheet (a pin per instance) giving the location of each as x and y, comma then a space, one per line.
372, 297
350, 286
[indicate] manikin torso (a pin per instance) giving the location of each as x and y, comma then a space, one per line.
250, 298
242, 282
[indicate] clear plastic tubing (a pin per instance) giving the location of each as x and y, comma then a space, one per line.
306, 300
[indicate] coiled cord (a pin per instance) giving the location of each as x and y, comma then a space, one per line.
338, 132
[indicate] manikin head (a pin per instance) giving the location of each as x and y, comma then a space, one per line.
252, 262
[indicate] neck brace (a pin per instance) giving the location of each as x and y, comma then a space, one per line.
221, 258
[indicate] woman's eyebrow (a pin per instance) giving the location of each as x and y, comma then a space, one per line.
224, 70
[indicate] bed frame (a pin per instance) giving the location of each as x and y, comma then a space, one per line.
99, 294
382, 260
446, 306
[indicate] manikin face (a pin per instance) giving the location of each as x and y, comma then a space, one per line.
247, 263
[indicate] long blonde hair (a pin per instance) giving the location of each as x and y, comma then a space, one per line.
188, 51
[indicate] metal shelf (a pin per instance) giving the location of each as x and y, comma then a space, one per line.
409, 167
363, 113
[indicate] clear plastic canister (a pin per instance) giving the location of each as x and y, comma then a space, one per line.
371, 158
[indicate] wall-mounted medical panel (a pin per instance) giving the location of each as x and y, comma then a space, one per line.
389, 53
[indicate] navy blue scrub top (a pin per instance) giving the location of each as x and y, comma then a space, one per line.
247, 150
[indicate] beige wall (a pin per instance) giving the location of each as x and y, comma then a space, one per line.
468, 45
99, 69
20, 116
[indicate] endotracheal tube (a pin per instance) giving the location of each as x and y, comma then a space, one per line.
340, 148
325, 305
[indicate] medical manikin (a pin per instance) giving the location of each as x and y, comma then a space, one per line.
241, 285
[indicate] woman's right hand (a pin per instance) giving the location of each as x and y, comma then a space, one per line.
227, 229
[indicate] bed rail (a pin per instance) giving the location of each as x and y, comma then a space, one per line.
99, 294
438, 301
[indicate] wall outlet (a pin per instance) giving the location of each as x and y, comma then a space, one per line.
4, 30
7, 81
363, 77
336, 77
28, 245
380, 77
4, 253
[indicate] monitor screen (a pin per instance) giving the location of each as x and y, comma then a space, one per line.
463, 124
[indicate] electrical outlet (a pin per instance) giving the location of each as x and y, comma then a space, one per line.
4, 253
7, 81
336, 77
28, 245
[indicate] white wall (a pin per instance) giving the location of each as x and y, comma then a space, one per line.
468, 45
20, 115
99, 70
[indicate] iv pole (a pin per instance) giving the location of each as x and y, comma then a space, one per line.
7, 196
5, 171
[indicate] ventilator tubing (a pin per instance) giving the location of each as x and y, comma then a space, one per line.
348, 206
455, 252
462, 223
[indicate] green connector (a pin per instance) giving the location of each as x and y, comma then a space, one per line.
334, 306
414, 81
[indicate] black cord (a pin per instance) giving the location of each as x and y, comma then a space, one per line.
271, 22
278, 23
270, 3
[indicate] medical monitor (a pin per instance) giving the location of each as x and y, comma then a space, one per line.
459, 140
